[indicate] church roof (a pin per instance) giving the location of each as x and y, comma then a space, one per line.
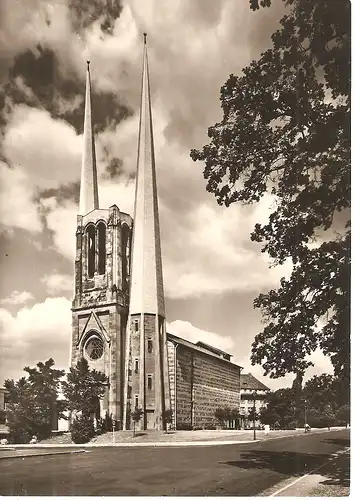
196, 347
213, 349
249, 382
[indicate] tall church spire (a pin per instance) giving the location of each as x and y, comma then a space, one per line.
147, 294
146, 366
88, 188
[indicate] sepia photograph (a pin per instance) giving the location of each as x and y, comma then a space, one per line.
175, 201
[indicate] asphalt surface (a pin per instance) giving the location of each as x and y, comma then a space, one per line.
237, 470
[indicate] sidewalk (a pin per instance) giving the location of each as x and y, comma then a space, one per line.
155, 438
331, 479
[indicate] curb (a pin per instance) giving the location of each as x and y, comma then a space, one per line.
123, 445
10, 457
152, 444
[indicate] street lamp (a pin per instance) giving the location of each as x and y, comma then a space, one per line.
113, 429
254, 415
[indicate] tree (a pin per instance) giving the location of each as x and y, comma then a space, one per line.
83, 389
276, 139
319, 392
167, 417
31, 402
268, 416
82, 429
235, 416
222, 414
328, 416
343, 415
252, 415
136, 416
280, 409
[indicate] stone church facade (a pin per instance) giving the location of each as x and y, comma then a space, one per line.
118, 310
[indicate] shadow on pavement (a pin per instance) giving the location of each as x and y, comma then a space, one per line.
292, 463
337, 472
285, 462
341, 442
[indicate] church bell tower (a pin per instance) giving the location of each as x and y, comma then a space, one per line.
102, 268
146, 371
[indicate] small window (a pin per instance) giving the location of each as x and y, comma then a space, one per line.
136, 401
149, 384
150, 345
136, 325
136, 365
129, 391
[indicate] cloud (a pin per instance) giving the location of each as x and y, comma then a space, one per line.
49, 150
35, 334
186, 330
17, 298
17, 206
57, 283
24, 25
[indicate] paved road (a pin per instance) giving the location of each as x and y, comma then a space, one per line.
238, 470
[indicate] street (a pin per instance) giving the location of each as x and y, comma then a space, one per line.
237, 470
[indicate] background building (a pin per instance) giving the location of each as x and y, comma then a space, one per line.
252, 391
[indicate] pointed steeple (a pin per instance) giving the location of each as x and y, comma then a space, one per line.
88, 187
147, 294
148, 385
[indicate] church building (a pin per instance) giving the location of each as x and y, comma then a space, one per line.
118, 310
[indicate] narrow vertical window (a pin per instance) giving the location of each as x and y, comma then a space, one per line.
125, 255
90, 235
101, 228
136, 365
136, 325
150, 345
136, 401
149, 382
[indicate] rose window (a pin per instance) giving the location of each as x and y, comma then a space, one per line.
94, 348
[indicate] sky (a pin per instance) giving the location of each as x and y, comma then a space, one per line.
212, 271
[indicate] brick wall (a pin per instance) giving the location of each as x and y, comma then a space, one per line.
204, 383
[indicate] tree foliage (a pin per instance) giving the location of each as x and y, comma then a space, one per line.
136, 417
280, 409
320, 398
32, 402
285, 135
225, 415
82, 429
84, 388
167, 417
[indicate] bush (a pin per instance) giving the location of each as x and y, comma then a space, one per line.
82, 430
105, 424
19, 435
184, 427
210, 427
197, 428
2, 417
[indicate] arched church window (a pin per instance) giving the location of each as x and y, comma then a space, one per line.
101, 228
90, 234
94, 348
